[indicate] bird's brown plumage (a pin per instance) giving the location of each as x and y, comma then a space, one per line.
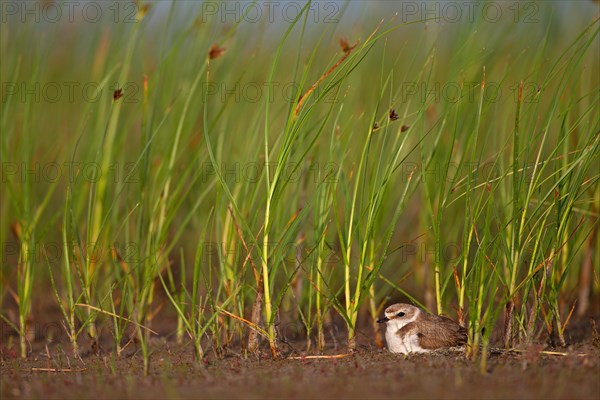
435, 331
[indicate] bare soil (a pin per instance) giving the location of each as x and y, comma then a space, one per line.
51, 371
370, 373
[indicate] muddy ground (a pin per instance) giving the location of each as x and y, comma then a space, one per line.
370, 373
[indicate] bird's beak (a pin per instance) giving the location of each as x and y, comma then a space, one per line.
382, 320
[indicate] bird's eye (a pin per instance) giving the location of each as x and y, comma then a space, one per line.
401, 314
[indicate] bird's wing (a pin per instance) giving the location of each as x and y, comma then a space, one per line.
438, 331
405, 330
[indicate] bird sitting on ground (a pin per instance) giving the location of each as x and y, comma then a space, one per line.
412, 330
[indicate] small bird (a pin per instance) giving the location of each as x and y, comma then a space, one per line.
412, 330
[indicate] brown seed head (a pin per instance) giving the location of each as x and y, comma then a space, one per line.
117, 94
142, 11
345, 45
215, 51
15, 227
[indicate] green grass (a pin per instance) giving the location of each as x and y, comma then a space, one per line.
269, 185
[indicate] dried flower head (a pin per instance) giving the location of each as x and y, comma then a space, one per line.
117, 94
404, 128
393, 115
215, 51
375, 126
142, 11
15, 227
346, 48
